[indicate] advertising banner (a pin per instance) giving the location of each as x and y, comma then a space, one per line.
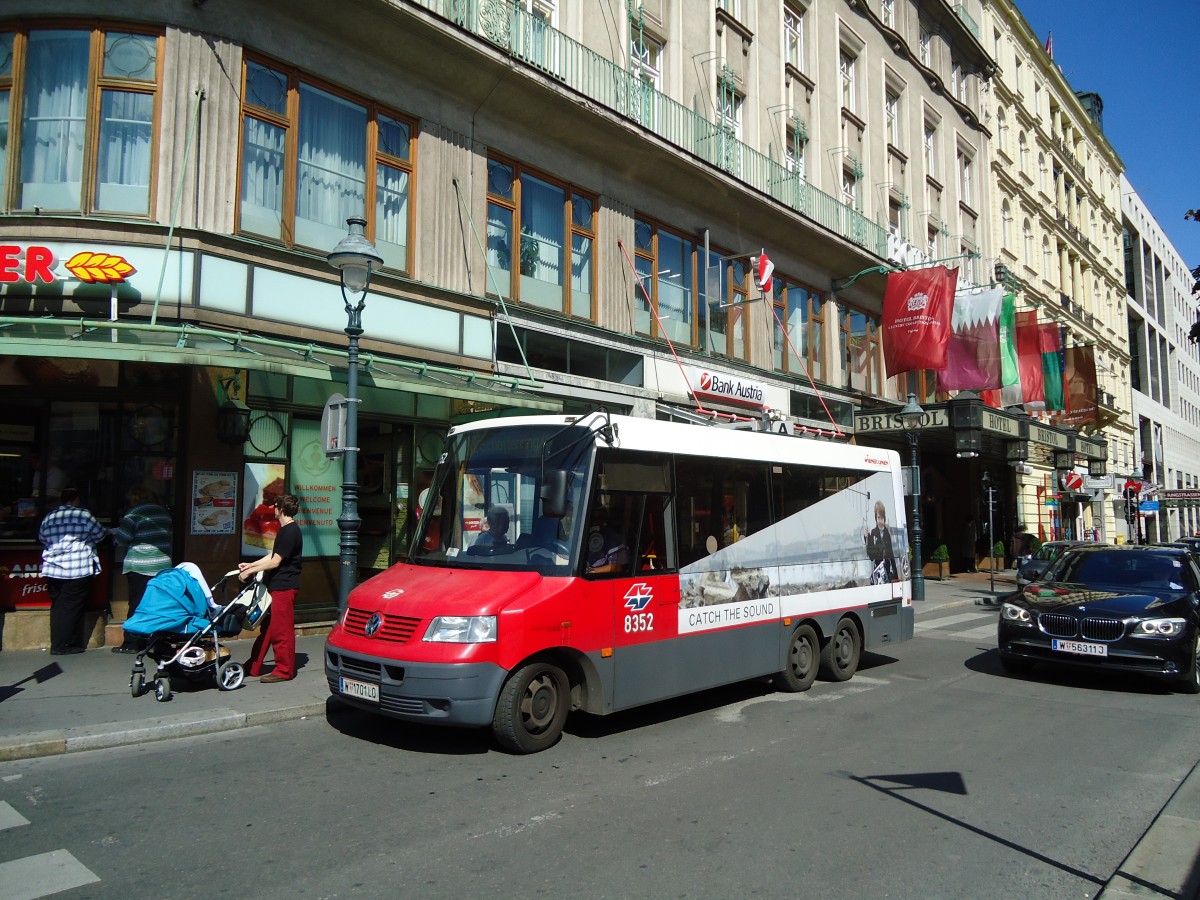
214, 502
317, 484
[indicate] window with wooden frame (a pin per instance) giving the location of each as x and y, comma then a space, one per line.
667, 284
82, 103
923, 383
861, 350
541, 237
313, 156
798, 329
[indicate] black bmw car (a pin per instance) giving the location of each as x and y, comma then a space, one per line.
1130, 608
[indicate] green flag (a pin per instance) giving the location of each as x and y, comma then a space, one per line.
1009, 374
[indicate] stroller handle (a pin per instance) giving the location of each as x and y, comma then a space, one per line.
257, 575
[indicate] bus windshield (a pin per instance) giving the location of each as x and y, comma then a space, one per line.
483, 508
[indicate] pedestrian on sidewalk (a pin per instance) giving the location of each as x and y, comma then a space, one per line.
145, 534
281, 568
1022, 545
70, 534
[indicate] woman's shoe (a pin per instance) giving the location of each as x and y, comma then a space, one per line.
273, 679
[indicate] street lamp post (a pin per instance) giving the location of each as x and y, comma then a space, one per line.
987, 487
354, 256
911, 417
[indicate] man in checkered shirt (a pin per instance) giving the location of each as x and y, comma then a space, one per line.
69, 563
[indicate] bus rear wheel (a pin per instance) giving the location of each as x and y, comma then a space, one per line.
803, 659
840, 656
532, 708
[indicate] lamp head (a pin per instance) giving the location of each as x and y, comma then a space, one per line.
355, 256
912, 415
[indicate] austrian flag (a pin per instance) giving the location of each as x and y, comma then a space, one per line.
917, 306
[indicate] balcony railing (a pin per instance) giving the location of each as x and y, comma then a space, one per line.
965, 18
514, 31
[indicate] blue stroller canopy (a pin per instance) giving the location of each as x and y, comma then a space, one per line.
176, 600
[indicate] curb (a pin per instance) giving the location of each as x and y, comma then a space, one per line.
120, 734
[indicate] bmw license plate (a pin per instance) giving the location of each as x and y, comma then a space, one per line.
361, 690
1080, 647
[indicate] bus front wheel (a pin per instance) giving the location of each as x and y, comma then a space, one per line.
803, 659
532, 708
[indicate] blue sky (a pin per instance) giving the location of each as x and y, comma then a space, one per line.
1141, 59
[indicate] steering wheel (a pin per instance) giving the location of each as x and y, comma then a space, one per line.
489, 549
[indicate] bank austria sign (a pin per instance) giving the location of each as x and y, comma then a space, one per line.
713, 384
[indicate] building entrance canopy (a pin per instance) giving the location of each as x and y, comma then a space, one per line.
185, 344
971, 428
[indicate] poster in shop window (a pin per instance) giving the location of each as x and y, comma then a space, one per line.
214, 502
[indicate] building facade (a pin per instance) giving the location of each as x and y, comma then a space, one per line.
1056, 212
570, 202
1165, 372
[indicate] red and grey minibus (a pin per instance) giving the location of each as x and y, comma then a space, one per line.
599, 562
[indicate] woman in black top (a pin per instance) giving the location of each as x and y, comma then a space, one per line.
282, 575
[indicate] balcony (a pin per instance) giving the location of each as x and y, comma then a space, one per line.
960, 10
510, 29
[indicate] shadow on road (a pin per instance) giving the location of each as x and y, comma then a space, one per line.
41, 676
1072, 677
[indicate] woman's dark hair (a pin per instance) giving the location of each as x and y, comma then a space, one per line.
288, 505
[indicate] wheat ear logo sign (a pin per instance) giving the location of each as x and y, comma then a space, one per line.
99, 268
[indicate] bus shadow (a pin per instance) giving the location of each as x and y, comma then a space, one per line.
437, 739
583, 725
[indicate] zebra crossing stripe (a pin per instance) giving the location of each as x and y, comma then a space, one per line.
944, 621
42, 875
9, 817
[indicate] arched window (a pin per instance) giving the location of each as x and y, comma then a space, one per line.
1006, 224
1027, 234
1024, 147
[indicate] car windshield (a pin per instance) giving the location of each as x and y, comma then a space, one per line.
1123, 568
483, 508
1049, 551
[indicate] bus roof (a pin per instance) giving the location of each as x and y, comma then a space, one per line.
683, 438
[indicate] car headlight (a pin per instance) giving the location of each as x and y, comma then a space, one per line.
462, 629
1018, 615
1165, 628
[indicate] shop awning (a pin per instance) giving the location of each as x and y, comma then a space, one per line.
186, 344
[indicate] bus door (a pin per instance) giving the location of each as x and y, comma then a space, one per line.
640, 581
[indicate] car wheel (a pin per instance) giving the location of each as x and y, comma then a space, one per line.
532, 708
1190, 683
841, 653
803, 660
1015, 666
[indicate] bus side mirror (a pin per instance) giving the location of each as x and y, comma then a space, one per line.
553, 493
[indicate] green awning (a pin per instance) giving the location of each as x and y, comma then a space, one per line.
186, 344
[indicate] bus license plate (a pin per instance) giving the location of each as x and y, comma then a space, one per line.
360, 689
1081, 648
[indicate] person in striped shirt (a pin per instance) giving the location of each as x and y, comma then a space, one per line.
145, 534
69, 565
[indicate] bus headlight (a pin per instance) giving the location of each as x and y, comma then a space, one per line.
462, 629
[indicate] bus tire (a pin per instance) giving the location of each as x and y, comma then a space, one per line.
803, 659
532, 708
842, 652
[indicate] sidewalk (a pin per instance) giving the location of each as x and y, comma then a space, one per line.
63, 704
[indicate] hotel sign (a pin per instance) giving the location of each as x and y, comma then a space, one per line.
882, 422
1049, 437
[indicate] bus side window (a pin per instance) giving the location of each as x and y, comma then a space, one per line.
656, 545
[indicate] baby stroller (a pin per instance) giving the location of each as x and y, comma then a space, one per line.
184, 626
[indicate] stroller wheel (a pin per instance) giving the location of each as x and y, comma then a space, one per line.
230, 676
162, 688
137, 683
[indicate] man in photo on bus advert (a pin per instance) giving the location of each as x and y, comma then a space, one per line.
879, 547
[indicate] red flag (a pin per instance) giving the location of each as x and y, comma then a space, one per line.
992, 399
1050, 44
916, 319
1081, 388
1029, 360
